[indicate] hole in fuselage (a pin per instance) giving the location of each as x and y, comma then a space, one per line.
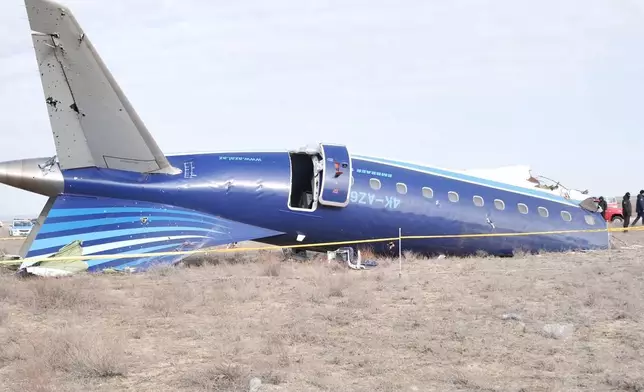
302, 176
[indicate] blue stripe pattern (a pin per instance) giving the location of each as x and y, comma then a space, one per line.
103, 222
60, 241
112, 240
110, 222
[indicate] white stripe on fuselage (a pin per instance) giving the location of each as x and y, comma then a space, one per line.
428, 170
121, 244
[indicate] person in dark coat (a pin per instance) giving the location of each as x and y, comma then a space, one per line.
603, 206
627, 209
639, 207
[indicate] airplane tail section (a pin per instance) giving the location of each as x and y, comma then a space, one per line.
93, 123
71, 225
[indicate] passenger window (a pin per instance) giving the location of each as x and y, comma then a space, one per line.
565, 215
543, 211
590, 219
478, 201
452, 196
401, 188
522, 208
375, 183
428, 192
499, 204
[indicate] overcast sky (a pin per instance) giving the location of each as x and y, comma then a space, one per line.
557, 85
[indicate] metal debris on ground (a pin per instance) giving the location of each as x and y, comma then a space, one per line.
348, 255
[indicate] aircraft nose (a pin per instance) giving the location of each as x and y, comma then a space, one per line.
37, 175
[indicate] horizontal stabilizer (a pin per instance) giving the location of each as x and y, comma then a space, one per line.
77, 225
93, 123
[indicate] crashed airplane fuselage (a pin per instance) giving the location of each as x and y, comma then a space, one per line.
114, 191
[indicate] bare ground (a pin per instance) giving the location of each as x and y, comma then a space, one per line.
550, 322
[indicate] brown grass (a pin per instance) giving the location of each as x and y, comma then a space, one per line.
564, 322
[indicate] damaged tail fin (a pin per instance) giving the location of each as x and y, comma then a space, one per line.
93, 123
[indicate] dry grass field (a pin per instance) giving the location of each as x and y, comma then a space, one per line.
550, 322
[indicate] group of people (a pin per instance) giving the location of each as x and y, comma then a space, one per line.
627, 208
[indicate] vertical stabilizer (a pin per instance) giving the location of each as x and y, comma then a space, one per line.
92, 121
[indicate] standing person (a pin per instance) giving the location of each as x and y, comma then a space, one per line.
639, 207
603, 205
627, 209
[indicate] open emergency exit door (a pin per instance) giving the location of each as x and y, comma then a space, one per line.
336, 175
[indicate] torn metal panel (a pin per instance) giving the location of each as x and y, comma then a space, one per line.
521, 175
56, 267
11, 262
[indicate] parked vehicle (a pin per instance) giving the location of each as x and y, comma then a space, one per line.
613, 210
20, 227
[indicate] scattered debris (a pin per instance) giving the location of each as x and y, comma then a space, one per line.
558, 331
254, 385
55, 267
295, 254
511, 316
632, 247
232, 245
9, 261
347, 255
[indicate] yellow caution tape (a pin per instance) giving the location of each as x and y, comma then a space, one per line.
337, 243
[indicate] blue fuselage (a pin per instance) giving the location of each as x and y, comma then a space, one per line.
256, 189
